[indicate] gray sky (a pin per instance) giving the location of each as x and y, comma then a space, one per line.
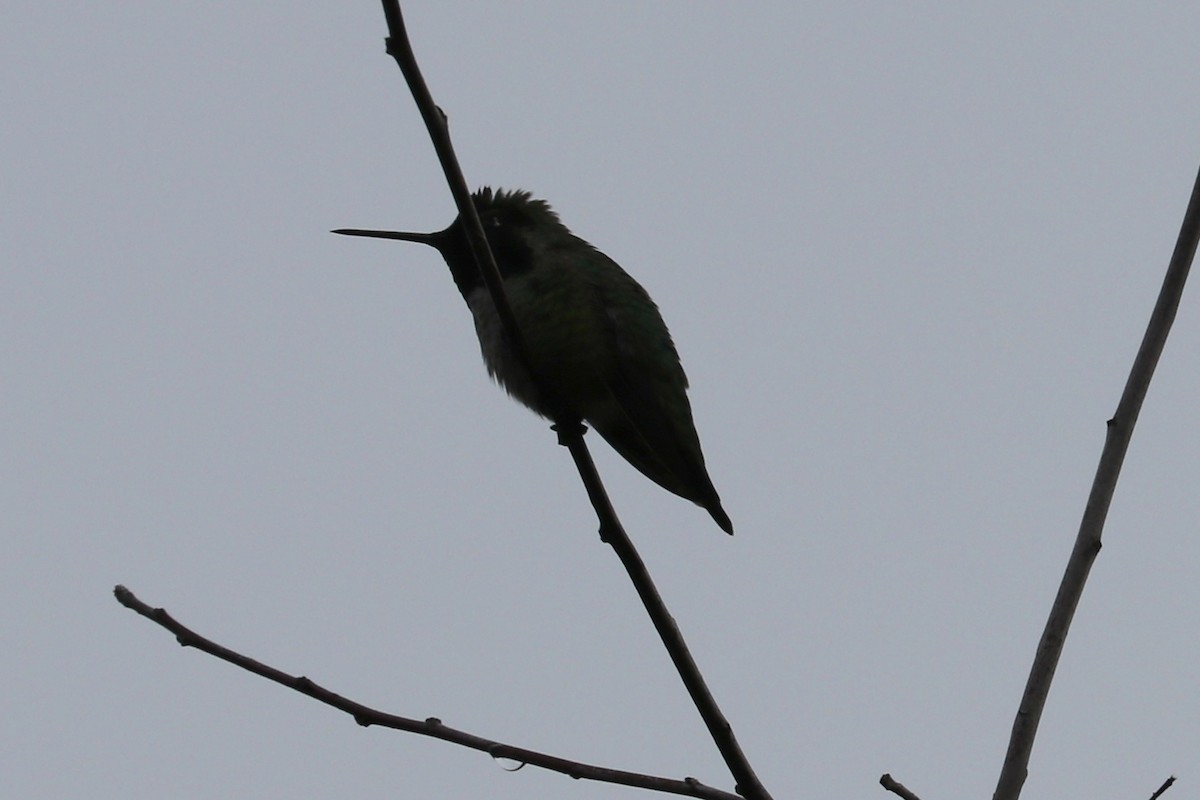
907, 252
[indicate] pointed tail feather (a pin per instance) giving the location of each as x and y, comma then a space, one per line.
718, 513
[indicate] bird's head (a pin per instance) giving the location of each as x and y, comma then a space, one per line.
517, 227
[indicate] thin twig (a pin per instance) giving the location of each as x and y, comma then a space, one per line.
1166, 785
432, 726
1087, 542
570, 431
896, 787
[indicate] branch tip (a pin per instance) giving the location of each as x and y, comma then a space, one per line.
1166, 785
896, 787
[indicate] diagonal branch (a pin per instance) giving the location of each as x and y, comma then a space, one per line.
1166, 785
611, 531
570, 431
399, 48
896, 787
1087, 542
432, 726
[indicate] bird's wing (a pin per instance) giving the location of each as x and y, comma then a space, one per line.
650, 423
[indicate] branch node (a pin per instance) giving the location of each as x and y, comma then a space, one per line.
568, 431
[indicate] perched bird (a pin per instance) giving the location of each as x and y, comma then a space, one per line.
592, 332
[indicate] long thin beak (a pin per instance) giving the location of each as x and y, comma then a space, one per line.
431, 239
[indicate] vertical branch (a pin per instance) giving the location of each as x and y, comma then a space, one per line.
570, 430
1087, 542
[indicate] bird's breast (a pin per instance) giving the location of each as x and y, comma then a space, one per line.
564, 338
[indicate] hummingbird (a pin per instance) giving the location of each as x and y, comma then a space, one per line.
593, 333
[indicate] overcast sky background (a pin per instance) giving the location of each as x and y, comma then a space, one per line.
907, 252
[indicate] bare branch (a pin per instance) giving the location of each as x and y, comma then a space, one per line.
570, 431
399, 48
896, 787
1166, 785
1087, 542
614, 534
432, 726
